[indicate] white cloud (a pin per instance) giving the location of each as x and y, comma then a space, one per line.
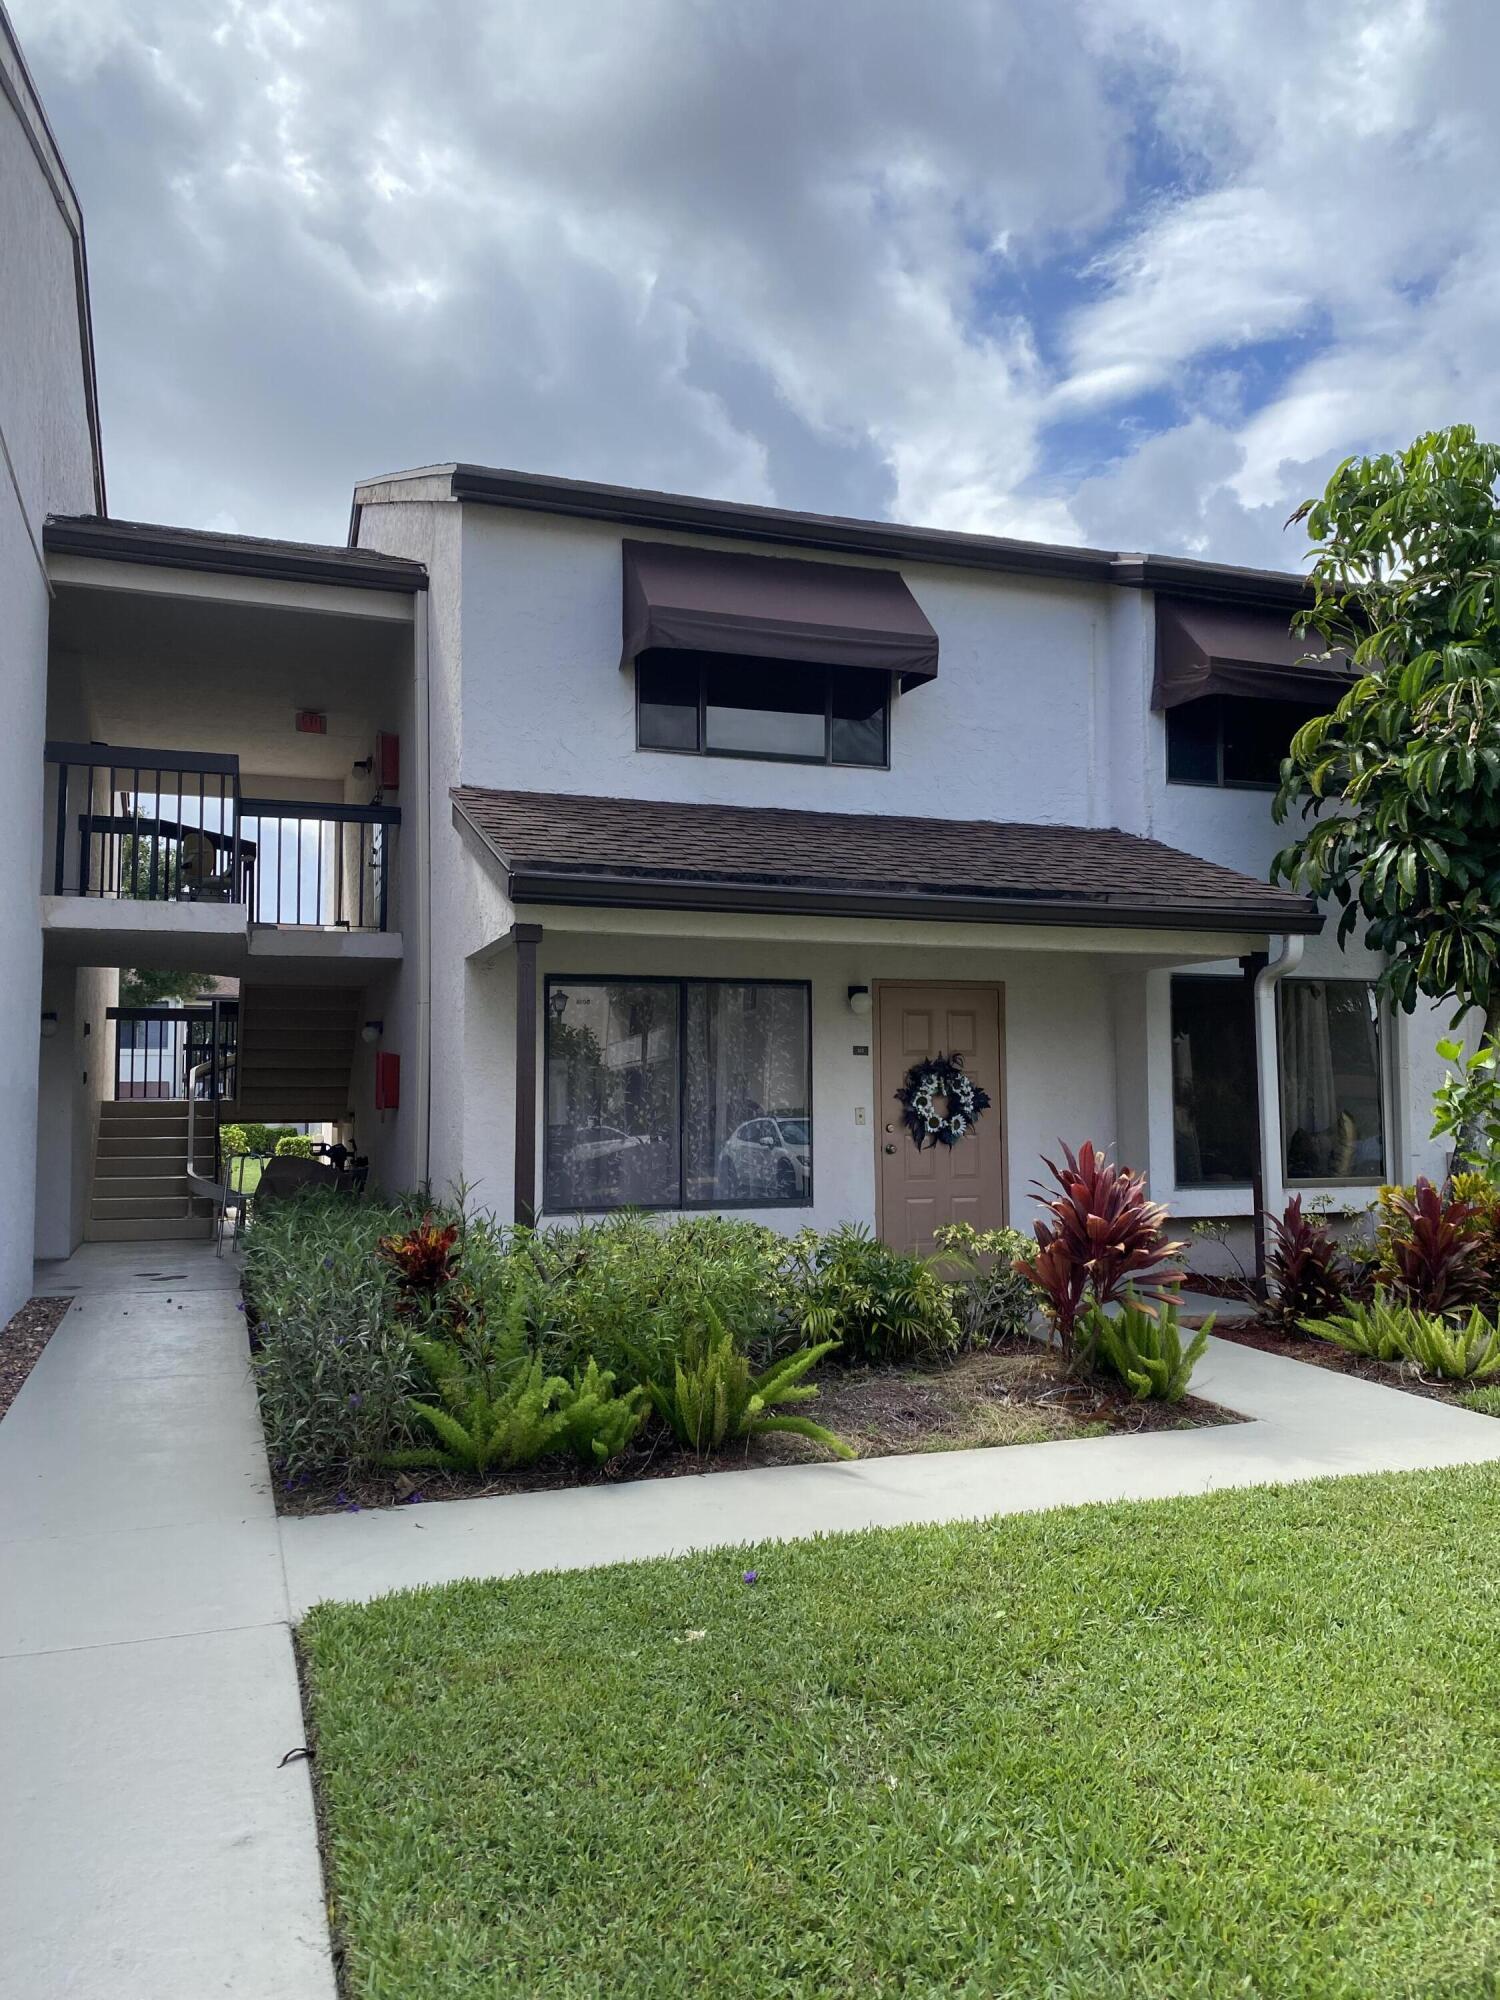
829, 255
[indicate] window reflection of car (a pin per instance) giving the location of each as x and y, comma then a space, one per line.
769, 1158
601, 1142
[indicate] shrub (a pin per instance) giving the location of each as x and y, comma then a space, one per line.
598, 1424
879, 1304
1104, 1235
712, 1398
1464, 1353
1390, 1330
486, 1418
1429, 1248
1143, 1346
629, 1291
1307, 1275
294, 1146
1376, 1329
422, 1257
991, 1299
332, 1363
233, 1140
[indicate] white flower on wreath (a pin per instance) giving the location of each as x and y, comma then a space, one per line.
957, 1125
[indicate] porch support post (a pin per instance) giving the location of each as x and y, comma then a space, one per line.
1268, 1068
526, 938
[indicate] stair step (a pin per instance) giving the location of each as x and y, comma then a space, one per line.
150, 1145
133, 1208
149, 1166
148, 1229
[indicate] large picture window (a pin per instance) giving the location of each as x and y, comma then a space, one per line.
677, 1093
1332, 1101
722, 705
1216, 1130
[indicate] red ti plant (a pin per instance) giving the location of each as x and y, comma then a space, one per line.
1102, 1235
1431, 1248
1307, 1274
424, 1258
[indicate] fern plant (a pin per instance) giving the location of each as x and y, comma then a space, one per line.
875, 1304
713, 1398
1143, 1346
598, 1424
486, 1418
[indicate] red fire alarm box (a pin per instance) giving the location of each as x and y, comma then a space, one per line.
388, 762
312, 722
387, 1081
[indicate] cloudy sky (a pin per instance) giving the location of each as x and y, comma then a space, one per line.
1128, 272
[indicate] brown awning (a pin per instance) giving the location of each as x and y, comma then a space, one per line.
774, 608
1218, 649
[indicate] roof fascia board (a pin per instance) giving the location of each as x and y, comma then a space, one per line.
96, 542
88, 572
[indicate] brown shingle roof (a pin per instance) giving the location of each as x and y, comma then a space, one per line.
561, 848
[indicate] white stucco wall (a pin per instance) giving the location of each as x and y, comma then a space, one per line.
76, 1074
44, 418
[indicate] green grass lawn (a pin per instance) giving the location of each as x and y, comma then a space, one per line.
1242, 1745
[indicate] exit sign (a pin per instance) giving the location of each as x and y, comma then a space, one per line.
311, 722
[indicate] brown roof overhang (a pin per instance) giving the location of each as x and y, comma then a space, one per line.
1204, 649
228, 555
773, 608
654, 854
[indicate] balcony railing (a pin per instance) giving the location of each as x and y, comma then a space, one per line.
156, 1048
162, 826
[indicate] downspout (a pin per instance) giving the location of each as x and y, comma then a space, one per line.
1268, 1069
423, 898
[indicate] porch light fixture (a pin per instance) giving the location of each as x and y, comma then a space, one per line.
49, 1026
859, 1001
372, 1031
559, 1003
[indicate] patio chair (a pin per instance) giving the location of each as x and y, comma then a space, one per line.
203, 870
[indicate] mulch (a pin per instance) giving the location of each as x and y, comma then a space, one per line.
1017, 1394
22, 1341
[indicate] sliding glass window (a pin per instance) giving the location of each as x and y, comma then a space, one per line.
665, 1093
1332, 1095
1216, 1130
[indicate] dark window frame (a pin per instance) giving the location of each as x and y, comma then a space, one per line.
1218, 783
682, 1206
1241, 985
1382, 1085
826, 762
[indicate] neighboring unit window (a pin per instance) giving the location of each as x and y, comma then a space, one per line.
677, 1094
1332, 1117
721, 705
1214, 1121
1229, 740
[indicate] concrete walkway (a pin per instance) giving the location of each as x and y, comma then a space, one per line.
152, 1847
1307, 1423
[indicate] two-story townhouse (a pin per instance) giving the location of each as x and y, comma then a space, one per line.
739, 815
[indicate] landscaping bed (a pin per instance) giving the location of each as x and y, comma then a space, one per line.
403, 1354
21, 1342
1016, 1395
1244, 1743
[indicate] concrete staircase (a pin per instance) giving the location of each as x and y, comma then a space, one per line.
296, 1050
140, 1191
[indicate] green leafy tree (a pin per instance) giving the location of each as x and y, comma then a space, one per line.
163, 989
1399, 787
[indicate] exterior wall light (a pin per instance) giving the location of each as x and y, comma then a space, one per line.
49, 1026
372, 1031
859, 1000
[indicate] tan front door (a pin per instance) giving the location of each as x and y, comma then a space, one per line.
920, 1191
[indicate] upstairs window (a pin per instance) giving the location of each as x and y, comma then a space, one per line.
1232, 740
730, 705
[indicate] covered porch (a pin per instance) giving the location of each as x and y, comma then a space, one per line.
716, 1008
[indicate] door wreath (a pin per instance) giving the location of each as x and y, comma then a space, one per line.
944, 1080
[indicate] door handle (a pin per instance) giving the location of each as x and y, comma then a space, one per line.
890, 1149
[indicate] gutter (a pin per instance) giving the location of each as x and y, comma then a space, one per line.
1268, 1071
598, 890
422, 875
